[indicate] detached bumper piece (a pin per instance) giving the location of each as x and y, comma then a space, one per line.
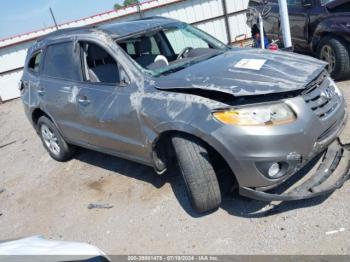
331, 174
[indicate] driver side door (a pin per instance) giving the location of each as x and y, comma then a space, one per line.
299, 23
106, 105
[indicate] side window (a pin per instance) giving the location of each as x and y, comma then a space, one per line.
99, 65
34, 62
60, 62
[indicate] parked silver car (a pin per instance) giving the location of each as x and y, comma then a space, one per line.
154, 89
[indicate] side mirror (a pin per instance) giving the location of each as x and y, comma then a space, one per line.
306, 3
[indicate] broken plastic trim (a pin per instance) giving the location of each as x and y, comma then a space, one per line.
336, 156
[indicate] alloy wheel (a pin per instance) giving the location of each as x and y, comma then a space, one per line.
50, 139
328, 55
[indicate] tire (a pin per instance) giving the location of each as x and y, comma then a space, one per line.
52, 140
198, 173
341, 67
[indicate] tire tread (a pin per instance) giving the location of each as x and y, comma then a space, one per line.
198, 173
342, 53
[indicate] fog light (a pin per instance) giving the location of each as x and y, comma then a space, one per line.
274, 170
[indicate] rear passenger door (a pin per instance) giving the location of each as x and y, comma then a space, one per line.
59, 87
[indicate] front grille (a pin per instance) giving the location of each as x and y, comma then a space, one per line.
321, 96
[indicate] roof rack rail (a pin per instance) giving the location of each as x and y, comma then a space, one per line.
62, 31
153, 17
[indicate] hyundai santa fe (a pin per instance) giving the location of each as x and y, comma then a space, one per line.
157, 90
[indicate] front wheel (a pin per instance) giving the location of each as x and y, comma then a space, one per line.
198, 173
52, 140
335, 52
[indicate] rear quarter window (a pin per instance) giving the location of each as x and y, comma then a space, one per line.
34, 62
60, 63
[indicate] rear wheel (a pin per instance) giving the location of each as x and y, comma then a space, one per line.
198, 173
336, 53
53, 141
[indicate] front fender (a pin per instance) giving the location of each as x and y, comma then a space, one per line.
205, 136
336, 26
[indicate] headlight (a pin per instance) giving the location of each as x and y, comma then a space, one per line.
262, 115
334, 85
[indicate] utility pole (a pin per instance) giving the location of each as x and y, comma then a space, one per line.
139, 10
287, 39
53, 18
262, 33
227, 24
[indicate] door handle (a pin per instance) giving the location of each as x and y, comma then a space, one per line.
41, 92
83, 100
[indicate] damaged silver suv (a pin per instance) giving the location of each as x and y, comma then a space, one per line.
156, 89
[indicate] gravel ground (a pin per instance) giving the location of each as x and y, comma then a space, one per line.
150, 214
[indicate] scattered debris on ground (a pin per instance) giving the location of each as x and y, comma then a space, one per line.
335, 231
7, 144
99, 206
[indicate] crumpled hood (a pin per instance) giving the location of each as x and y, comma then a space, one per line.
281, 72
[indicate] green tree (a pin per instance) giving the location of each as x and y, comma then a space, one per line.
117, 6
126, 3
130, 2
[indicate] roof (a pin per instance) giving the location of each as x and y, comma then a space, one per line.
117, 29
120, 29
66, 31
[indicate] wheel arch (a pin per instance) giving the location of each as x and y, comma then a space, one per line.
36, 114
39, 112
162, 150
319, 35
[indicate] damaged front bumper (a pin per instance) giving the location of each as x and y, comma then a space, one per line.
329, 174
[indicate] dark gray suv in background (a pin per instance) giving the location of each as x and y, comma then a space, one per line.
156, 89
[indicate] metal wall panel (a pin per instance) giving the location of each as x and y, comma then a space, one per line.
13, 57
9, 85
207, 15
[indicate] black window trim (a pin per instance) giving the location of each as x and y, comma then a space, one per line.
44, 59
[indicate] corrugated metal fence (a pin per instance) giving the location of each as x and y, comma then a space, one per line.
224, 19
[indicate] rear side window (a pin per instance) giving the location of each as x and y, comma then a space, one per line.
60, 62
34, 62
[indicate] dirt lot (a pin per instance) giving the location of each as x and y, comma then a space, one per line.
150, 213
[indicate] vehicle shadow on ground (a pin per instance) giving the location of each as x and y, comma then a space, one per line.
232, 203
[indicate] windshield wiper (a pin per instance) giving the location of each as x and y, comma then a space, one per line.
173, 70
